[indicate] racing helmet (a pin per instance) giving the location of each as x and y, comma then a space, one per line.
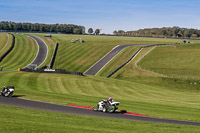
110, 99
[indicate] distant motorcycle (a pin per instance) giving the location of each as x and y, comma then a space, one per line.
7, 91
105, 106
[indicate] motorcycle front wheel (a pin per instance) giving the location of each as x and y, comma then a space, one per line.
10, 95
95, 108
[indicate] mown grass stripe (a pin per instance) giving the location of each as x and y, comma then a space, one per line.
5, 43
3, 40
151, 96
61, 87
66, 86
182, 62
148, 95
19, 49
20, 56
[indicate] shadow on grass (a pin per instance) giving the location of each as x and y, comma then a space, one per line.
18, 95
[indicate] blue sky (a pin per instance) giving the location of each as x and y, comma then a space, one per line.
109, 15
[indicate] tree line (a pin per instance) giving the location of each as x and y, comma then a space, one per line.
162, 32
96, 32
38, 27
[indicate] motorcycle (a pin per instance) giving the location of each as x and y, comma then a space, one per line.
7, 91
106, 106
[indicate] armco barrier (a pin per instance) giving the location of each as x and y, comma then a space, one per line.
109, 75
8, 51
53, 56
59, 71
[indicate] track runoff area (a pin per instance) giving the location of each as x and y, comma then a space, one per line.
82, 110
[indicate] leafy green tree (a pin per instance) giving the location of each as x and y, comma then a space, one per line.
63, 28
77, 31
90, 31
120, 32
41, 28
162, 32
115, 32
97, 31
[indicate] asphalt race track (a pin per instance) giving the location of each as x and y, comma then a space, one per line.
17, 102
42, 52
106, 59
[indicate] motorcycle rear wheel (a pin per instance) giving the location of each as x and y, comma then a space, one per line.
7, 94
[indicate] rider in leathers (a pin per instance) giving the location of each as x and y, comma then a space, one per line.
109, 101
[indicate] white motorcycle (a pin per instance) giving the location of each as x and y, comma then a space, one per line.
106, 106
7, 91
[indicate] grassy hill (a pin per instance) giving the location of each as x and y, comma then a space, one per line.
133, 69
138, 90
3, 39
23, 53
151, 100
80, 56
5, 42
172, 66
175, 61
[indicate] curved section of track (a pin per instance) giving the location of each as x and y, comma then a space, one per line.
42, 51
107, 58
17, 102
